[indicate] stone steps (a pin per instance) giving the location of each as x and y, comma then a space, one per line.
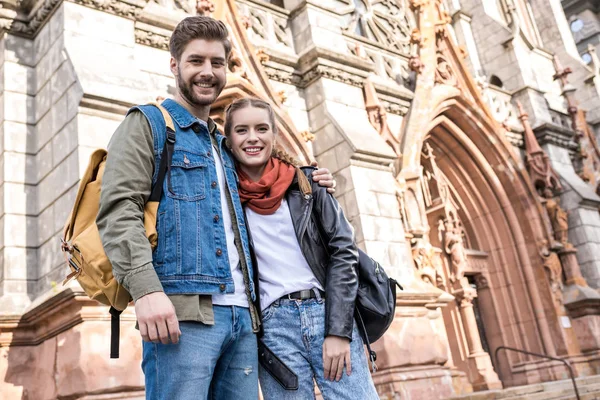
589, 389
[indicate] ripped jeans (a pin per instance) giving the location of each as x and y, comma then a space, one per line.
217, 361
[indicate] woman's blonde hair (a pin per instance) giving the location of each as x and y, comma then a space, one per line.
278, 153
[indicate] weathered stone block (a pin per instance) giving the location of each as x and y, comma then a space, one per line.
64, 142
152, 60
49, 257
57, 23
42, 41
88, 22
45, 225
95, 131
44, 161
314, 94
76, 369
20, 168
19, 107
50, 62
19, 78
19, 230
18, 49
327, 138
61, 80
62, 178
29, 371
59, 115
74, 96
18, 262
62, 208
18, 137
21, 198
43, 101
328, 160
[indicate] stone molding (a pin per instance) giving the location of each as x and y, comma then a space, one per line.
556, 135
152, 36
35, 21
31, 26
51, 317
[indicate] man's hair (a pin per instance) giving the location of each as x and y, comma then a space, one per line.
198, 27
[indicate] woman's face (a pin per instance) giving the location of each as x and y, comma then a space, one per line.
252, 139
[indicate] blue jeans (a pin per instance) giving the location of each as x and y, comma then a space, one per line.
295, 332
217, 361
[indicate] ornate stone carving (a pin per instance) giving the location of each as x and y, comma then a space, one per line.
587, 157
282, 96
283, 76
454, 247
263, 57
308, 136
205, 7
554, 271
151, 39
427, 261
385, 22
236, 64
331, 73
558, 219
267, 26
30, 28
377, 116
117, 7
464, 297
538, 163
481, 282
443, 71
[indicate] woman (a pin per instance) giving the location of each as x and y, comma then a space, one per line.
306, 261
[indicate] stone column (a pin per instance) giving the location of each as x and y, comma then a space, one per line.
485, 377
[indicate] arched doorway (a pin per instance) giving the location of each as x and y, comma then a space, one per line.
484, 238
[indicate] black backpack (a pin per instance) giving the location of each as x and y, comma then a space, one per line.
375, 302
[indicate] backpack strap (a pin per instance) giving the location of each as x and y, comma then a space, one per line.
164, 169
155, 195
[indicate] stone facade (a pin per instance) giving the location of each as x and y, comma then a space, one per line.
462, 134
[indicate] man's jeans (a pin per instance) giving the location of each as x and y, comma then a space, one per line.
217, 361
295, 331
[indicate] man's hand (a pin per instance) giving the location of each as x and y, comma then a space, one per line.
336, 352
324, 178
156, 318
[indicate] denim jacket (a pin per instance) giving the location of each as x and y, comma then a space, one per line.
191, 255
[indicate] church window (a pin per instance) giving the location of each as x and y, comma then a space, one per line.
586, 57
576, 25
494, 80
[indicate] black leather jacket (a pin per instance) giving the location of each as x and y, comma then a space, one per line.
327, 242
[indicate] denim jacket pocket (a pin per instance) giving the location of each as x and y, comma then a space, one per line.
188, 172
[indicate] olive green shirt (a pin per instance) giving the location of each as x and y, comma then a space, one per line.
126, 187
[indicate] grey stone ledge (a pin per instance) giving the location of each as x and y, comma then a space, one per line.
549, 133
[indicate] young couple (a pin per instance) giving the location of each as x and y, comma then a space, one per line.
199, 297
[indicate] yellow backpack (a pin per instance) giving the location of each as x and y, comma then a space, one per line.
81, 242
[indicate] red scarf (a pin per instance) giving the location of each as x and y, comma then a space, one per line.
264, 197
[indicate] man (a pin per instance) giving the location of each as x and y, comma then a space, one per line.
193, 294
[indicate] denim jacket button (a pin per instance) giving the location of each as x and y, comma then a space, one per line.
219, 252
216, 218
196, 128
213, 184
222, 287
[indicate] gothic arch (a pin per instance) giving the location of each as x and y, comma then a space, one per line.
246, 77
494, 220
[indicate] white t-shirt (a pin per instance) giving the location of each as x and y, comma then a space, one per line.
238, 298
281, 264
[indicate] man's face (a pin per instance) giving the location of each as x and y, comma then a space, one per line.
201, 72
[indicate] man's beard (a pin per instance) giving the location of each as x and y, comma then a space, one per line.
187, 92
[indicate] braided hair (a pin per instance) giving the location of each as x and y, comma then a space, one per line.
279, 153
